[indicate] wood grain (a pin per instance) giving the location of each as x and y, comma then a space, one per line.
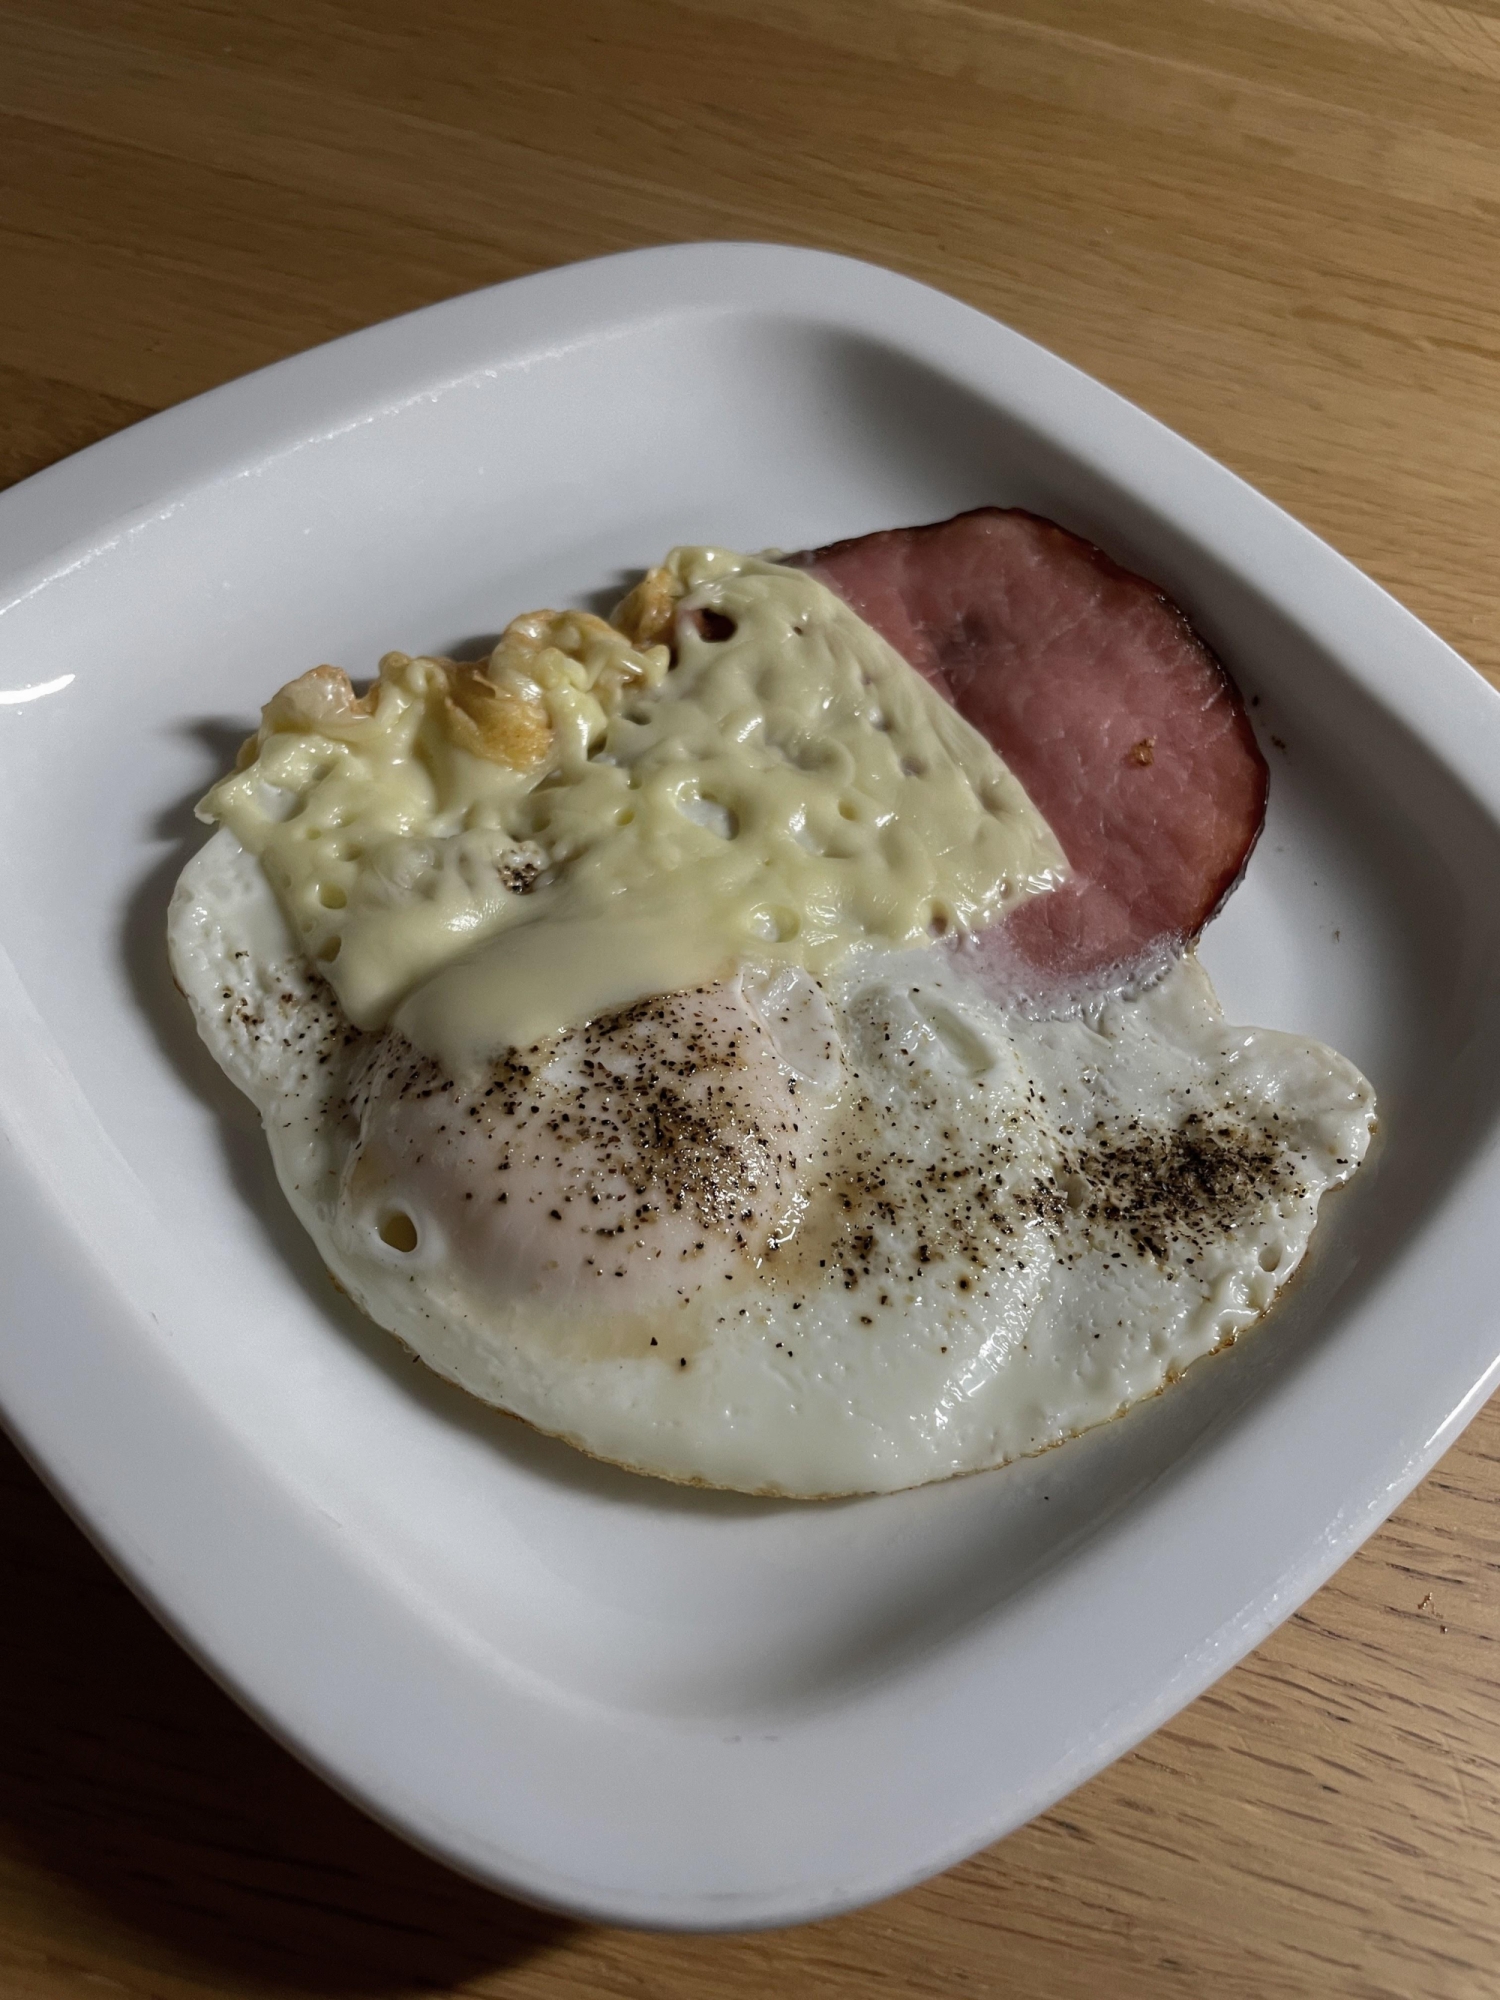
1271, 222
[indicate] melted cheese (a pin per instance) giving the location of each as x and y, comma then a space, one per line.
490, 856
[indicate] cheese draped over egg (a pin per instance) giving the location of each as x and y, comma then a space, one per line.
495, 853
594, 1004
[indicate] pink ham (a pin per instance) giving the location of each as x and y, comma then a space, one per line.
1126, 732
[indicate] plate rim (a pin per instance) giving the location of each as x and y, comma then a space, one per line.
61, 519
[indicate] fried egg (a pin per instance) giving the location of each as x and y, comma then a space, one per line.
781, 1234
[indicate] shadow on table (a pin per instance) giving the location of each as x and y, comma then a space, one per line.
128, 1774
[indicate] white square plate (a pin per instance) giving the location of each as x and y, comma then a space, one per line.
619, 1698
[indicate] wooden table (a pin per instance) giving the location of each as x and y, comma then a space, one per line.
1273, 222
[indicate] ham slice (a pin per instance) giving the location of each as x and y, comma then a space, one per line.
1127, 733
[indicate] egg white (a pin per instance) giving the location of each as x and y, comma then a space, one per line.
785, 1236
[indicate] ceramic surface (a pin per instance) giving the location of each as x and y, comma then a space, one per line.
616, 1697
